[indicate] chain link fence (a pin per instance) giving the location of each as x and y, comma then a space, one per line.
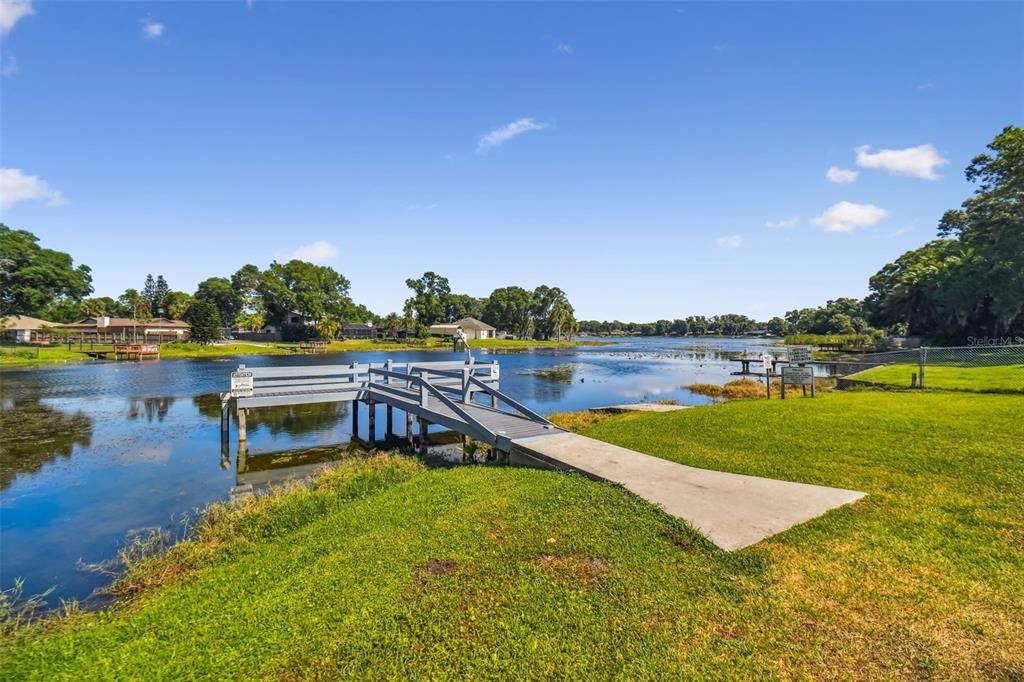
992, 368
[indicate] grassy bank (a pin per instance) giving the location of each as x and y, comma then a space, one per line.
388, 569
998, 378
28, 356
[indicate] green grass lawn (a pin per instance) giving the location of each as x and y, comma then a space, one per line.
1005, 378
387, 569
41, 355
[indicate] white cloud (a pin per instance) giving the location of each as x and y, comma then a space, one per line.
730, 241
720, 47
566, 48
13, 11
10, 66
919, 162
926, 86
500, 136
15, 186
785, 224
422, 207
841, 176
151, 30
847, 216
319, 251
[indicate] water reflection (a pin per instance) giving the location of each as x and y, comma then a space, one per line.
151, 408
254, 472
35, 434
292, 420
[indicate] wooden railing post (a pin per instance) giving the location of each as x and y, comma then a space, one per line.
466, 372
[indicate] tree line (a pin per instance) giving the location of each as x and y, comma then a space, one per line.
969, 281
44, 283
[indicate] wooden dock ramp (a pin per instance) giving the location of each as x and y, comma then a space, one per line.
732, 510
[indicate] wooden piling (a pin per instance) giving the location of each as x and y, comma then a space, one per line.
423, 435
408, 429
465, 448
355, 419
389, 424
241, 424
371, 418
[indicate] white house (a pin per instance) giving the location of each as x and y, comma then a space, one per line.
474, 328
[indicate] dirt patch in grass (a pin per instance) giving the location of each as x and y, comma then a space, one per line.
677, 539
439, 567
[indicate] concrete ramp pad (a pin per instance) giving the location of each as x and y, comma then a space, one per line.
732, 510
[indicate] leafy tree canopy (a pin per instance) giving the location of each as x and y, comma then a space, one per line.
38, 282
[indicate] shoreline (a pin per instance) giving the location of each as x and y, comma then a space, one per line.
21, 356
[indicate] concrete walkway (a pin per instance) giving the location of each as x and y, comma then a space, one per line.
732, 510
641, 407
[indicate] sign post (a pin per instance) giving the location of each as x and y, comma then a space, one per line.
766, 362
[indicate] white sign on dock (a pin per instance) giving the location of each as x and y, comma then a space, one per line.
799, 355
766, 362
241, 384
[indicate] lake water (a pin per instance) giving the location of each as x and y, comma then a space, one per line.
91, 452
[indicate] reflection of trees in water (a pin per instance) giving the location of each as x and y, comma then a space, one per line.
34, 435
150, 407
294, 420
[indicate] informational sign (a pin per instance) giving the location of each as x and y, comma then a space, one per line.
766, 362
799, 355
241, 384
798, 376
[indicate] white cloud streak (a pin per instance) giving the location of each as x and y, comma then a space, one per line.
10, 66
15, 187
13, 11
500, 136
841, 176
566, 48
318, 252
151, 30
785, 224
847, 216
919, 162
730, 241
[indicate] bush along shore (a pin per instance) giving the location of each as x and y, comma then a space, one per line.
384, 567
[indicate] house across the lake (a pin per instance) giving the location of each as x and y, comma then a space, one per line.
25, 329
359, 330
474, 328
109, 329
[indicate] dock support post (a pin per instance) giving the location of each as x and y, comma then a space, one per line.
371, 418
389, 424
494, 402
241, 424
423, 436
225, 420
355, 419
465, 448
408, 429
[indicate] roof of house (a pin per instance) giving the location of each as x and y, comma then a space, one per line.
91, 322
358, 325
473, 323
13, 322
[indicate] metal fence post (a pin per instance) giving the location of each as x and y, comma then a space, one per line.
922, 357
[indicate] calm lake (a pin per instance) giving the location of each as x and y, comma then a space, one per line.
91, 452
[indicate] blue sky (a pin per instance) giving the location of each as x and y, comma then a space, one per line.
653, 160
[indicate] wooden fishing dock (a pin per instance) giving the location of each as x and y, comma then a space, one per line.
125, 351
